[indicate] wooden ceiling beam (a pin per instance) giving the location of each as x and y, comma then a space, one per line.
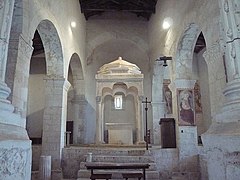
142, 8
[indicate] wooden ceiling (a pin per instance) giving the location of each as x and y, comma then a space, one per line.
142, 8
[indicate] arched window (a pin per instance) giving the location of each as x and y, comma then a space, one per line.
118, 101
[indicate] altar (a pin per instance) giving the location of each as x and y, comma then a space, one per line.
120, 133
119, 95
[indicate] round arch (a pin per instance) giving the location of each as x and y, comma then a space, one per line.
52, 47
76, 101
107, 36
185, 48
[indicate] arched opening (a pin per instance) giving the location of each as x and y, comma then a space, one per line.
201, 88
76, 104
36, 98
56, 87
191, 81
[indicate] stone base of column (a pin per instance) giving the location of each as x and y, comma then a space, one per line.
222, 142
188, 150
15, 153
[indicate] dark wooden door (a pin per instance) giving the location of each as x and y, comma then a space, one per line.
168, 133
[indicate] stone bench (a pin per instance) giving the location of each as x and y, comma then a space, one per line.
132, 175
101, 176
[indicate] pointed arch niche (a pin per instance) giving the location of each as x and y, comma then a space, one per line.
119, 92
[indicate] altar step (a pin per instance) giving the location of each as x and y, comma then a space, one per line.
119, 155
122, 159
151, 168
117, 174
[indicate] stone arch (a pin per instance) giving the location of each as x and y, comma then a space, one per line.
106, 36
185, 48
76, 101
77, 72
119, 87
53, 48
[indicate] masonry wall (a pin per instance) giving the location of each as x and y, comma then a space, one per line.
205, 15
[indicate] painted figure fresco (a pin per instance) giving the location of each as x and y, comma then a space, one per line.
186, 110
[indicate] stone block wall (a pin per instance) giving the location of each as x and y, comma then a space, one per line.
167, 161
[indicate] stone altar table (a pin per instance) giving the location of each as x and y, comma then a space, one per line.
120, 133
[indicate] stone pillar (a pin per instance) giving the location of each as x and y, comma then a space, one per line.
158, 105
186, 134
15, 146
222, 140
45, 168
158, 109
79, 104
54, 119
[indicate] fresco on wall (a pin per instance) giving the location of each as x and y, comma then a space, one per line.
167, 94
197, 98
186, 107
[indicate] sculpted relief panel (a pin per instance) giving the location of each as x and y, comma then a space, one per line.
13, 162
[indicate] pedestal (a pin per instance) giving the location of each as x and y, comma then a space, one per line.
45, 168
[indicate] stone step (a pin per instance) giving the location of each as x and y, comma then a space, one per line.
153, 166
109, 151
117, 173
122, 159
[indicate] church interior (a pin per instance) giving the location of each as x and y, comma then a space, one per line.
151, 82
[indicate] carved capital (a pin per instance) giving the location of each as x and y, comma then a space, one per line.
13, 162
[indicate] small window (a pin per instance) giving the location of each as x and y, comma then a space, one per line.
118, 101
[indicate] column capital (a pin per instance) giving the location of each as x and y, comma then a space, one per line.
182, 84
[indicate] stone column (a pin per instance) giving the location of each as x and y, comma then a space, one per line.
222, 140
187, 134
54, 119
15, 146
99, 123
45, 168
6, 12
139, 120
18, 65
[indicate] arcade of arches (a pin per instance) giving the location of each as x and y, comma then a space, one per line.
68, 90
